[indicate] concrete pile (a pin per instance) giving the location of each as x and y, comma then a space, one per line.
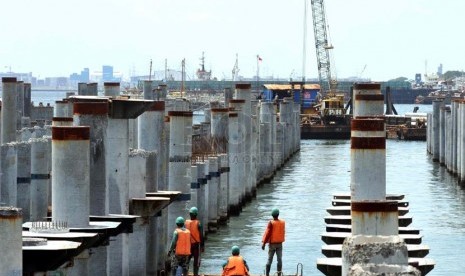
99, 185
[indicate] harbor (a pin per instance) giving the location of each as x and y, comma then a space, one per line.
205, 160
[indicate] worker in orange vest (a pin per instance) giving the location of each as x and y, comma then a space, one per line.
197, 242
235, 265
274, 235
181, 245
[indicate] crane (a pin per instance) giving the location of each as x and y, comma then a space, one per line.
328, 84
235, 70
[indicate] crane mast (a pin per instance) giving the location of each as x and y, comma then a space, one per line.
327, 83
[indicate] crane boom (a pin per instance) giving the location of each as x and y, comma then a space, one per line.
327, 83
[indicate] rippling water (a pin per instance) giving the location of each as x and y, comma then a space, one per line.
302, 191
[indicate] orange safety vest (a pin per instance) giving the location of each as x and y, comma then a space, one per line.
193, 226
235, 266
183, 244
277, 231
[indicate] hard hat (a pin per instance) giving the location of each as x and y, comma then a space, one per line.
275, 212
180, 221
235, 250
194, 211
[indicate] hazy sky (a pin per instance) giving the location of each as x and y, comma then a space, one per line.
392, 38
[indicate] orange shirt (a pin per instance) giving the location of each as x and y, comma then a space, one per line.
275, 231
235, 266
193, 226
183, 244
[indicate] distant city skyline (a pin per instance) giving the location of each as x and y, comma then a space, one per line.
376, 39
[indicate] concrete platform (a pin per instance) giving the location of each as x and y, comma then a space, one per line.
388, 196
338, 238
348, 228
414, 250
345, 210
346, 202
347, 219
332, 266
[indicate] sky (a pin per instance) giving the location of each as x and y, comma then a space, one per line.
374, 39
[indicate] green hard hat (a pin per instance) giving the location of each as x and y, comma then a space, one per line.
194, 211
235, 250
275, 212
180, 221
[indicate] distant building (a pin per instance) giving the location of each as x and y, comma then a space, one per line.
85, 75
107, 73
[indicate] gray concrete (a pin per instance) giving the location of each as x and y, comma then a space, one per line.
195, 187
70, 181
82, 89
180, 154
19, 103
9, 114
235, 185
92, 89
11, 259
40, 178
111, 89
435, 125
61, 109
23, 179
27, 100
202, 201
147, 90
95, 115
213, 187
224, 188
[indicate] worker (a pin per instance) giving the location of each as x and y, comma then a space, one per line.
197, 242
274, 235
181, 245
235, 265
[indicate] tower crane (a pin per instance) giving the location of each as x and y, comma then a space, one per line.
328, 84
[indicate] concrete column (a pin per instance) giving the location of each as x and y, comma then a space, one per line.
11, 259
236, 168
141, 172
461, 152
268, 121
9, 171
62, 121
23, 179
448, 139
368, 159
61, 109
240, 153
243, 92
459, 137
19, 103
40, 178
368, 99
117, 177
9, 102
195, 187
95, 115
27, 100
213, 187
70, 186
219, 129
92, 89
228, 95
224, 189
133, 133
254, 148
202, 200
164, 92
82, 89
454, 135
111, 89
278, 152
180, 154
148, 95
442, 135
436, 109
